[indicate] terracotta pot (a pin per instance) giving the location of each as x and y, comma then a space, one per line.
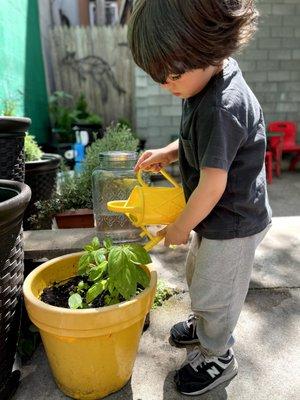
81, 218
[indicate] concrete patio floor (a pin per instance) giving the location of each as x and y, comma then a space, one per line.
267, 333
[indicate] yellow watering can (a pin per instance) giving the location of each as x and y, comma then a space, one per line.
151, 206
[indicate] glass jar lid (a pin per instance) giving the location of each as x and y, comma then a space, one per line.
118, 155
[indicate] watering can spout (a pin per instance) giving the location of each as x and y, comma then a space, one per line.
151, 206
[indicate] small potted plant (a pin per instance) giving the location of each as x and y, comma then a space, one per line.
70, 205
40, 174
65, 117
90, 309
92, 123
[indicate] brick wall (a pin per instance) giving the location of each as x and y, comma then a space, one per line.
270, 64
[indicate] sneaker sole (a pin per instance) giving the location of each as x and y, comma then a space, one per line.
224, 378
182, 344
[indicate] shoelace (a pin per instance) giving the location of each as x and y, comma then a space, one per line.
192, 320
195, 358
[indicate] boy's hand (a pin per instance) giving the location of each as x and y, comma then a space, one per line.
173, 235
153, 160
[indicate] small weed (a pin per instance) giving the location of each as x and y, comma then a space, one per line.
163, 293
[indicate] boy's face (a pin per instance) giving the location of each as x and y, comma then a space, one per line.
190, 83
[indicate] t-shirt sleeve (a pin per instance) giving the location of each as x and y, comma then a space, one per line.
225, 138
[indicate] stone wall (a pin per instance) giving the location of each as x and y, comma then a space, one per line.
270, 64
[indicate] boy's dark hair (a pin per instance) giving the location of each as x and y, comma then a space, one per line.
175, 36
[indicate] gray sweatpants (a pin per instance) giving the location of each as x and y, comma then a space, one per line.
218, 275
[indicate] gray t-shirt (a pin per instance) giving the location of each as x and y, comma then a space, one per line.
223, 127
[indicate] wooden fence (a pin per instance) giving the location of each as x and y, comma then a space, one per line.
95, 61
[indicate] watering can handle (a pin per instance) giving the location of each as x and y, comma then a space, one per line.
153, 240
163, 172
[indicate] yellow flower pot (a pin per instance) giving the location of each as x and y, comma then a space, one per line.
91, 352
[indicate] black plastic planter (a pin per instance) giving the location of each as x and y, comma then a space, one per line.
12, 132
14, 197
41, 177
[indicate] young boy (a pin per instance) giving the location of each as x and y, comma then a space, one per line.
186, 46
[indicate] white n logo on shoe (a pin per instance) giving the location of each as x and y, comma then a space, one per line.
213, 372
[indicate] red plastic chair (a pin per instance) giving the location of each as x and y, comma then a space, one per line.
269, 166
289, 130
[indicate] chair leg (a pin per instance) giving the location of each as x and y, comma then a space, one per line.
277, 163
294, 162
269, 167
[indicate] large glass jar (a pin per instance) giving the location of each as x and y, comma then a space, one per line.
114, 179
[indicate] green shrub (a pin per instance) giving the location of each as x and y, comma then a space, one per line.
118, 137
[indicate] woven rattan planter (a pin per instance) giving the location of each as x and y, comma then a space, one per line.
14, 197
12, 132
41, 177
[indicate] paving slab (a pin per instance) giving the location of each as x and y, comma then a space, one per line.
277, 261
266, 350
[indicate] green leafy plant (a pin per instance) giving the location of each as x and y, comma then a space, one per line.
64, 114
32, 149
111, 271
163, 293
28, 342
118, 137
9, 107
73, 194
83, 115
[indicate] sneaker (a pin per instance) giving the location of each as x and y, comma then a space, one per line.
184, 333
201, 374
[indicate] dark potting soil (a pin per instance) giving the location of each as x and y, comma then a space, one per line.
59, 293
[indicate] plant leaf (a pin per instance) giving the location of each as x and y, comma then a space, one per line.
83, 263
107, 243
121, 271
75, 301
125, 282
95, 243
88, 248
95, 290
98, 256
138, 254
117, 259
142, 277
96, 272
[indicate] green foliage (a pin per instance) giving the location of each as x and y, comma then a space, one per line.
125, 122
28, 342
32, 149
112, 271
73, 194
9, 107
83, 115
63, 114
163, 293
117, 138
